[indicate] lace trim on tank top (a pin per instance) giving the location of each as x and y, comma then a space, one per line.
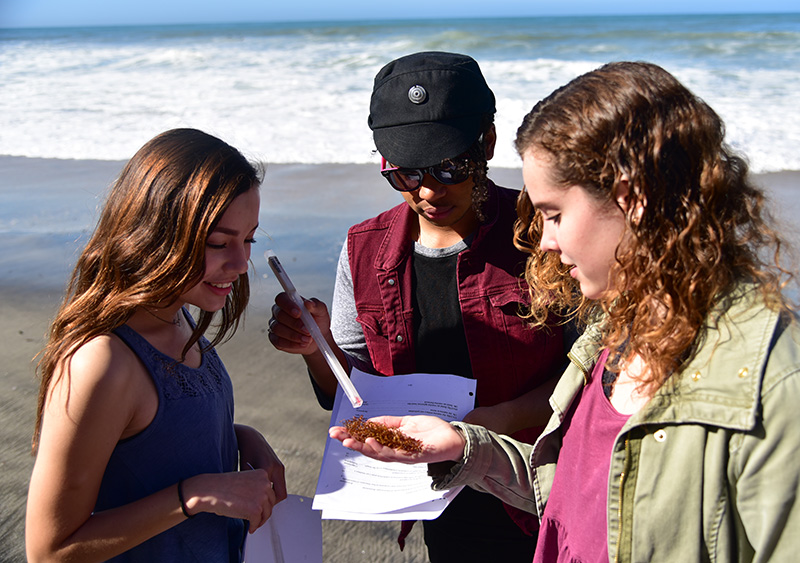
184, 381
178, 380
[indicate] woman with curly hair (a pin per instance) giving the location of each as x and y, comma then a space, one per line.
673, 436
138, 456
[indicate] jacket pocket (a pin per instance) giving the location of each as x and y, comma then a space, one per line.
511, 302
374, 326
372, 322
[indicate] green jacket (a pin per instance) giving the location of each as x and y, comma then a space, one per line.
708, 470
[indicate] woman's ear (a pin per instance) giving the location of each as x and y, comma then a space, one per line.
489, 141
624, 193
625, 199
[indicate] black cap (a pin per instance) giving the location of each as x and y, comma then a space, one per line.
427, 107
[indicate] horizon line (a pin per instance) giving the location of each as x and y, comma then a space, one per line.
367, 21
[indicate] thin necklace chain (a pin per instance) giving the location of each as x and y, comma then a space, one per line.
176, 321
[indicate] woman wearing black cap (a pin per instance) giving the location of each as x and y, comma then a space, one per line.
433, 285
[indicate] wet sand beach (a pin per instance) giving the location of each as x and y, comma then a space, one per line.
48, 208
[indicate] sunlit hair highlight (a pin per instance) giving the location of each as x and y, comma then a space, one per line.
695, 224
149, 245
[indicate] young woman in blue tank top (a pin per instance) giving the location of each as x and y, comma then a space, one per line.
138, 457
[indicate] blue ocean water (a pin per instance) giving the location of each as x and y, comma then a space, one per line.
300, 92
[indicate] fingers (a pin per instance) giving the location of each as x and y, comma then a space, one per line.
255, 451
440, 441
266, 511
287, 317
256, 523
285, 303
241, 494
338, 433
279, 486
287, 331
370, 448
390, 421
277, 475
375, 450
265, 497
385, 453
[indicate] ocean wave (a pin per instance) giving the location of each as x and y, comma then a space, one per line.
300, 93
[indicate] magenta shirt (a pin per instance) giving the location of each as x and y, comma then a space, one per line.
574, 527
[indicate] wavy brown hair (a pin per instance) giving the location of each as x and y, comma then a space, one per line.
149, 245
695, 224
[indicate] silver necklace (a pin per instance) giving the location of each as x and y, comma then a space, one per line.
176, 321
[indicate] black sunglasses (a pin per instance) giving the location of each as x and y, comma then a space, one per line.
448, 172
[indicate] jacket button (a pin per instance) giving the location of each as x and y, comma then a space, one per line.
390, 281
660, 435
696, 376
399, 338
743, 373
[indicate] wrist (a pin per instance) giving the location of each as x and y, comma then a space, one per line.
315, 355
182, 500
461, 448
443, 472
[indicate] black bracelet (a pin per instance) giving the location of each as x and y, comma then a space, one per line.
183, 503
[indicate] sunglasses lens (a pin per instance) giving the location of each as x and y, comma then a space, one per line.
406, 179
448, 173
451, 172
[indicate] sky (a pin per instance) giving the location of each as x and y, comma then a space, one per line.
57, 13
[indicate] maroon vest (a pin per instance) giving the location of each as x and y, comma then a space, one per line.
508, 357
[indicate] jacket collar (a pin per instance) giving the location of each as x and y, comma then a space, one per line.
722, 383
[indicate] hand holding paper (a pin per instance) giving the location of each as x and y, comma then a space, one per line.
353, 486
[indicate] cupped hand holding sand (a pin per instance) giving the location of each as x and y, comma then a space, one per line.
405, 439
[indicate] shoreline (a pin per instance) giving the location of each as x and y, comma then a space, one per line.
47, 207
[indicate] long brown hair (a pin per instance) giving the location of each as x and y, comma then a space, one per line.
695, 224
149, 245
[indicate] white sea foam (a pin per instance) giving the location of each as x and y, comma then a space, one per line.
297, 94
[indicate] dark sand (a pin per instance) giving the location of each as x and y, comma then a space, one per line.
47, 209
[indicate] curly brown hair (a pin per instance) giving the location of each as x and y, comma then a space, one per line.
695, 224
149, 245
480, 168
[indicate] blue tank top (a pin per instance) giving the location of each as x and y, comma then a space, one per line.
192, 433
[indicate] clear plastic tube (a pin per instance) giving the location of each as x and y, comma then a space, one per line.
311, 325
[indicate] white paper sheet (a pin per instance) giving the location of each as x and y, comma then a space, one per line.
425, 511
354, 487
293, 534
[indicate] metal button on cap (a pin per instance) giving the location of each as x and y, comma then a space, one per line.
417, 94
